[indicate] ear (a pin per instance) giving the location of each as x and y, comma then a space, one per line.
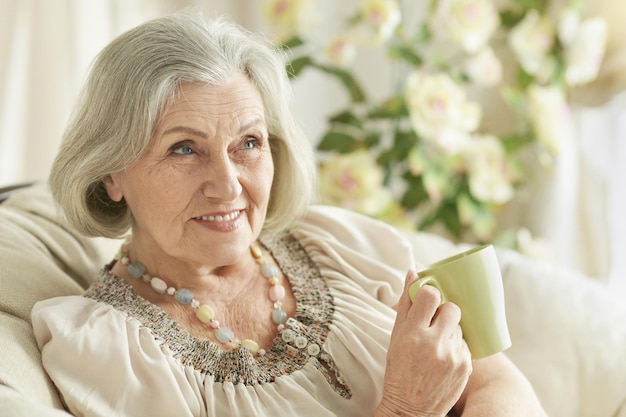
113, 187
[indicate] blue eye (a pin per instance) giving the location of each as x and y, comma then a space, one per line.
250, 143
182, 150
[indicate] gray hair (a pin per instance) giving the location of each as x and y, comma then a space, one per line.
131, 82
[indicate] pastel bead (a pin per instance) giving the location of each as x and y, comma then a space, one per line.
224, 334
279, 316
135, 269
158, 285
183, 296
256, 251
276, 292
251, 345
269, 270
205, 313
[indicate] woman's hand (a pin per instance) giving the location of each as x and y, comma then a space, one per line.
428, 362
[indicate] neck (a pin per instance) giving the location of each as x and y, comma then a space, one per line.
182, 272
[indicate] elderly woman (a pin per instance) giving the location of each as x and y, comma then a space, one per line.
233, 296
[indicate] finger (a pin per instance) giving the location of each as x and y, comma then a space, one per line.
404, 304
425, 306
448, 317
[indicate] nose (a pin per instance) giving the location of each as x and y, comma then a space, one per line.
222, 182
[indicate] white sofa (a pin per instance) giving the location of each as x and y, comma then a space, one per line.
568, 332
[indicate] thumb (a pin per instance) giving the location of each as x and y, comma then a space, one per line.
404, 304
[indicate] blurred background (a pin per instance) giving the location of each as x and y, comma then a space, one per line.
573, 210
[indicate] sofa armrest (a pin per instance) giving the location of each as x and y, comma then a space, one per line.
568, 337
22, 377
14, 404
40, 257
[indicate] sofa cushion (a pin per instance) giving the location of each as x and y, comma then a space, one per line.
39, 258
569, 337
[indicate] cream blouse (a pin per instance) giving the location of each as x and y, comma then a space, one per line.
111, 353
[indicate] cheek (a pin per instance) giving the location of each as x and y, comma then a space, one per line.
155, 195
259, 183
267, 179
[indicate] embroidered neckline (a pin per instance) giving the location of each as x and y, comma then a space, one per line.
203, 312
299, 343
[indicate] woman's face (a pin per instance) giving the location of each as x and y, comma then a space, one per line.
200, 191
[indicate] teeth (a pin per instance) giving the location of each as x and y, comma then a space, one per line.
224, 218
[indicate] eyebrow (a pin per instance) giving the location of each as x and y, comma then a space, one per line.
204, 135
185, 129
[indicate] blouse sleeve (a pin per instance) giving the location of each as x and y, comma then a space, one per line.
374, 254
108, 366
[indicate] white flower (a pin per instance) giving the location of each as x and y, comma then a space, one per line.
489, 174
288, 17
586, 51
439, 110
468, 23
484, 68
531, 40
550, 116
354, 181
340, 50
569, 21
381, 18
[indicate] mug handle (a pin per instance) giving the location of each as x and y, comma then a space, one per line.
425, 280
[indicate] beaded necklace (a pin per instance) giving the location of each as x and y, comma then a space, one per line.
205, 313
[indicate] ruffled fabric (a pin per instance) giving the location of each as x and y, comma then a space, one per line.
113, 353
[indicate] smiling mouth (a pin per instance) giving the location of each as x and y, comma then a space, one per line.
221, 217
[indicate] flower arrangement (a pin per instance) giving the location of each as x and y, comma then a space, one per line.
427, 156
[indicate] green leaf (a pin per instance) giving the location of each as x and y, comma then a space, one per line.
292, 42
337, 142
295, 67
510, 18
347, 118
422, 34
391, 108
429, 219
532, 4
450, 218
515, 142
372, 139
402, 145
415, 194
404, 141
524, 79
354, 89
405, 53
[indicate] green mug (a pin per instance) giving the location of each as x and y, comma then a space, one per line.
472, 280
